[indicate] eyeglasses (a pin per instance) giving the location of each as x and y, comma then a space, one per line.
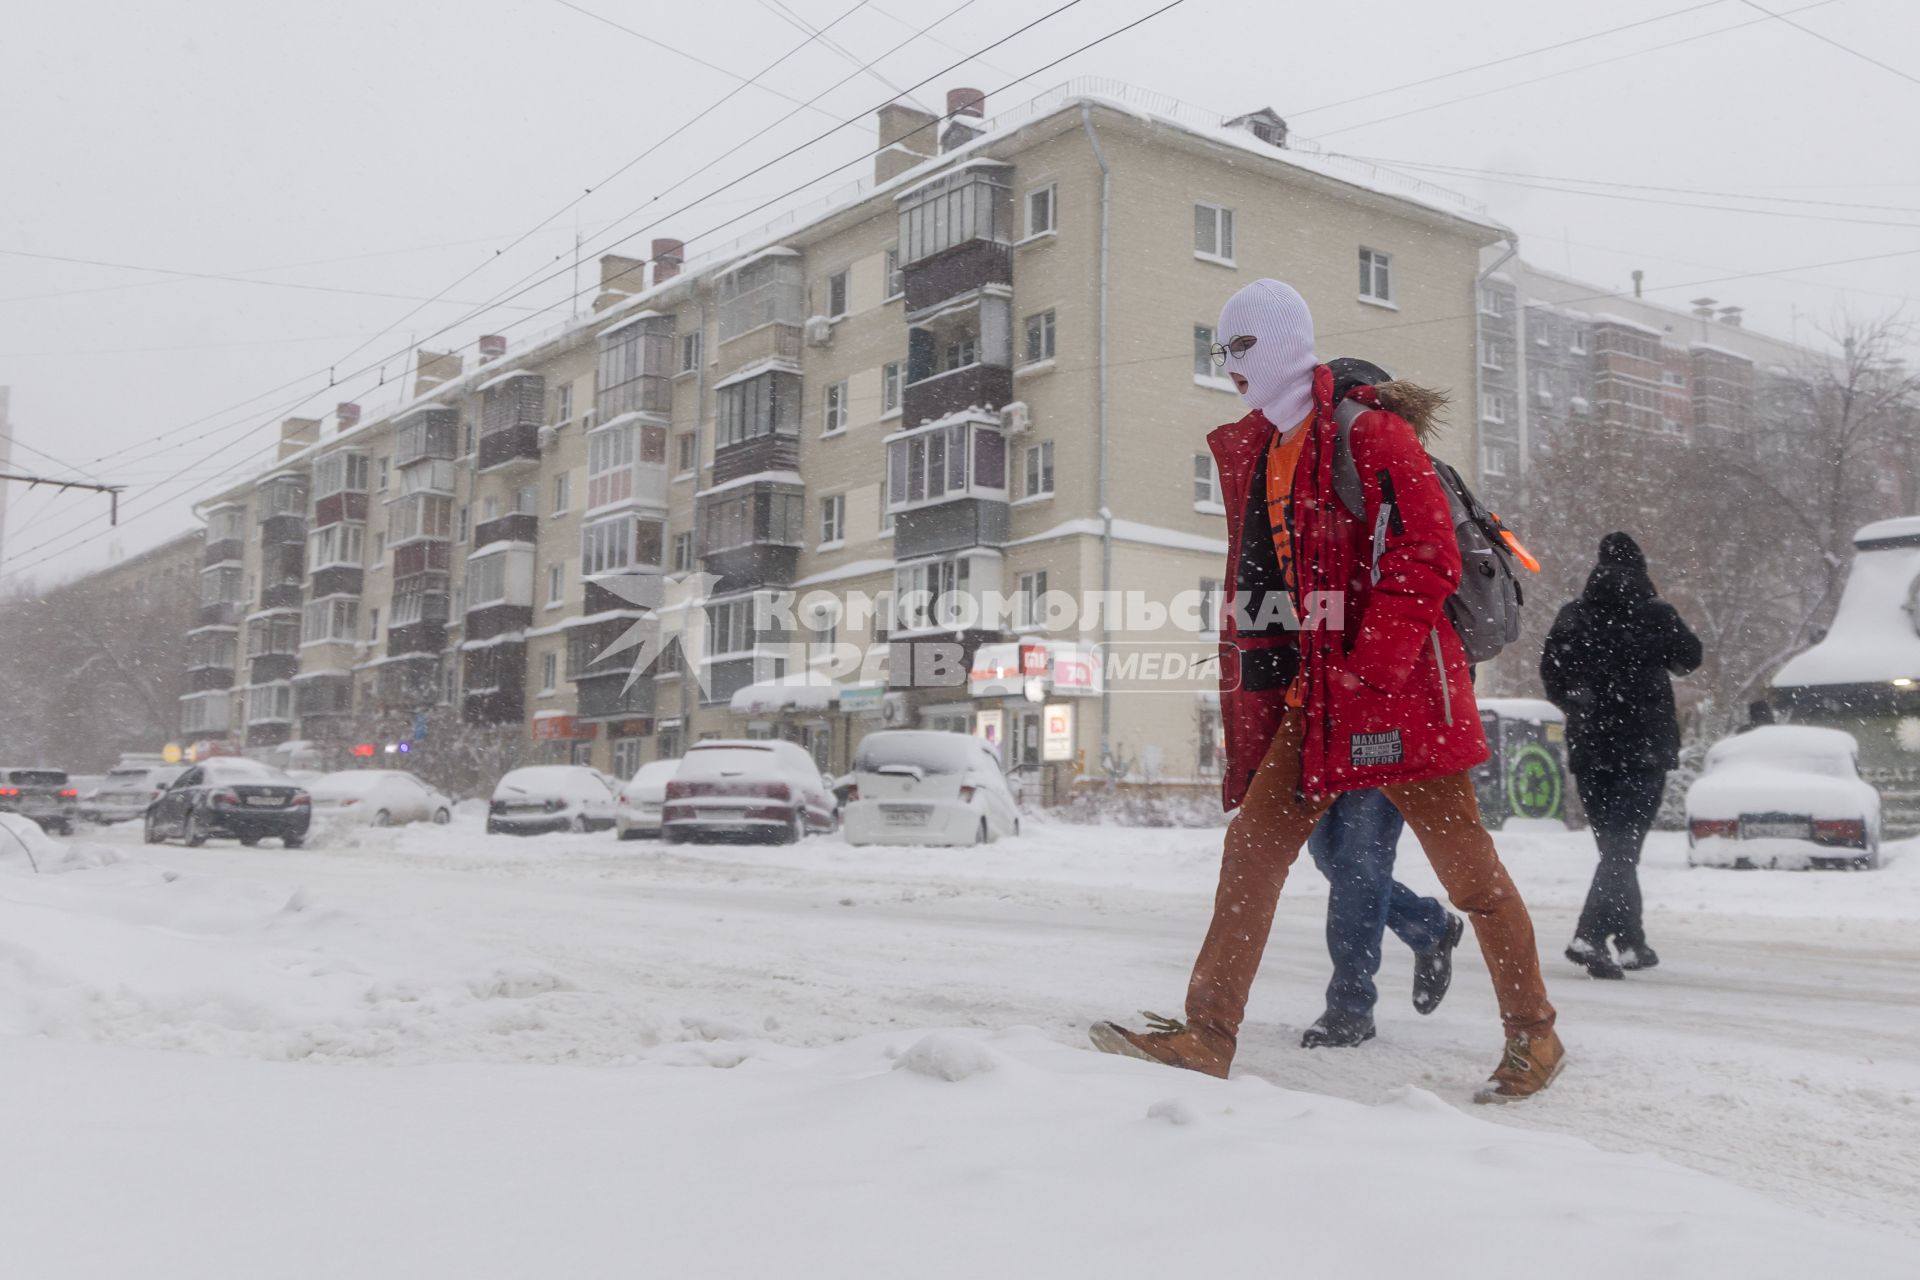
1238, 348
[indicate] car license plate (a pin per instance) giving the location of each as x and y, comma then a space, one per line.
263, 802
905, 815
1776, 829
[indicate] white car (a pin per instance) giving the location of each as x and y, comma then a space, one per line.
746, 790
637, 809
550, 797
916, 786
126, 791
1783, 796
379, 797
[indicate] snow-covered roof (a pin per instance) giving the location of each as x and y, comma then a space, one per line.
803, 691
977, 162
635, 318
1614, 318
758, 477
771, 364
1775, 741
499, 379
1872, 639
1712, 349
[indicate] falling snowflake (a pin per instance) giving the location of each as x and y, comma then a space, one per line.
1907, 733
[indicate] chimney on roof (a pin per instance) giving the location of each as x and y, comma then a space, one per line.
964, 108
431, 368
492, 347
1731, 316
667, 255
620, 278
906, 138
347, 415
296, 434
1638, 276
1703, 308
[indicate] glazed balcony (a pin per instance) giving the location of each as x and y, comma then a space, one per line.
956, 272
512, 407
513, 527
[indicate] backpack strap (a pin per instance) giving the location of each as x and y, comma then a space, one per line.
1346, 472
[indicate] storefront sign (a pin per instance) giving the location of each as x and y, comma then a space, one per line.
863, 699
989, 725
1056, 741
562, 728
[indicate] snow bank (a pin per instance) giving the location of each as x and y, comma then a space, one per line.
1058, 1162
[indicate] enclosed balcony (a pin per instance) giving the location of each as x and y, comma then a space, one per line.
283, 575
426, 435
321, 699
273, 645
222, 595
494, 682
627, 464
947, 485
954, 233
751, 533
499, 591
226, 535
340, 488
636, 365
408, 683
419, 518
762, 303
212, 655
334, 560
757, 422
511, 409
958, 359
422, 606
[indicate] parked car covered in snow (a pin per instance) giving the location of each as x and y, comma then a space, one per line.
231, 796
379, 797
637, 810
45, 795
1783, 796
918, 786
746, 790
127, 790
550, 797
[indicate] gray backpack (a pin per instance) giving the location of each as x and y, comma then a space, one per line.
1485, 610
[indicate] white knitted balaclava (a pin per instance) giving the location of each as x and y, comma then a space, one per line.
1279, 368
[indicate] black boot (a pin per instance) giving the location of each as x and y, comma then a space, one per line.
1433, 969
1336, 1030
1636, 955
1593, 957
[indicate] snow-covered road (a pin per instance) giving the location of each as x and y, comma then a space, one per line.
1778, 1047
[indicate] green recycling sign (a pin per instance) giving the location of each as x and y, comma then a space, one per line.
1535, 785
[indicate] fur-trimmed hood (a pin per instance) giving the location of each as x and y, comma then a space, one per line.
1420, 406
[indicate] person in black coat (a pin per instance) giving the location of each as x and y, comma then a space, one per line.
1608, 664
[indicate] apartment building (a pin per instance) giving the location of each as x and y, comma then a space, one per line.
981, 375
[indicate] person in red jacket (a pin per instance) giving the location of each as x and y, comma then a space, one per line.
1380, 693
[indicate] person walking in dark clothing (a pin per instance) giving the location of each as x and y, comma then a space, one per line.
1608, 664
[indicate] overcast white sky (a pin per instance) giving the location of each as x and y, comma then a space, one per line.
385, 147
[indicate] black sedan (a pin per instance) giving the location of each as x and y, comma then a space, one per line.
231, 796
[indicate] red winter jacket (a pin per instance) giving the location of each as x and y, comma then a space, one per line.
1388, 696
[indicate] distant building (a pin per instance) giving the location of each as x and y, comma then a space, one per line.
983, 372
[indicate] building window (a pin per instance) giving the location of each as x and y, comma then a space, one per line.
487, 581
1543, 387
690, 351
526, 500
340, 473
1577, 341
461, 526
760, 406
380, 546
549, 672
1490, 354
556, 584
1213, 233
730, 628
746, 519
890, 388
936, 464
1039, 337
924, 591
1203, 352
770, 290
562, 492
1493, 461
563, 403
634, 367
1493, 408
896, 282
1376, 275
683, 552
837, 295
1040, 210
611, 455
386, 468
1206, 481
834, 411
1039, 469
1026, 602
833, 519
1210, 605
1492, 302
684, 455
626, 758
373, 624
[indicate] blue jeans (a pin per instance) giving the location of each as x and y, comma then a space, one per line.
1353, 846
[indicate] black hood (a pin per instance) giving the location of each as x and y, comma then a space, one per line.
1620, 580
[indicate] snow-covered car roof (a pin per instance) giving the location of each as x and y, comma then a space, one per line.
357, 781
1783, 742
708, 759
555, 779
239, 767
927, 748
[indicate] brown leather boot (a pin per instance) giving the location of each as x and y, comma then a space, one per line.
1529, 1065
1170, 1043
